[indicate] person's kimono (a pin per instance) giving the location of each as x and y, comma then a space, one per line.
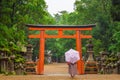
72, 69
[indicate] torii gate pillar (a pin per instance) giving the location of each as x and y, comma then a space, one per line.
80, 63
40, 66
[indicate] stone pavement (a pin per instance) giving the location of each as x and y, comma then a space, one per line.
59, 72
61, 77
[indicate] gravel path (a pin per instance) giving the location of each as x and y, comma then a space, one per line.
59, 72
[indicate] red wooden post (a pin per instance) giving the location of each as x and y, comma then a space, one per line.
80, 63
40, 66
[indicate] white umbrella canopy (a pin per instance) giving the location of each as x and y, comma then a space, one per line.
72, 56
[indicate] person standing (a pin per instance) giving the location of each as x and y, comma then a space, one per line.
71, 57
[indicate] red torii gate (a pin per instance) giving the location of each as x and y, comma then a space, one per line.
60, 29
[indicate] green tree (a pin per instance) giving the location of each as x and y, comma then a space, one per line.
14, 14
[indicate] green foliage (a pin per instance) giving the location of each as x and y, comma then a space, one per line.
115, 10
95, 11
97, 46
115, 38
19, 59
10, 37
59, 46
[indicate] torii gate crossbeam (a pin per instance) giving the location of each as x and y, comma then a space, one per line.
60, 29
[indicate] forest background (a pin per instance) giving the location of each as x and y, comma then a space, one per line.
15, 14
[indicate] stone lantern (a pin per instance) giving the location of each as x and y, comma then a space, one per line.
29, 52
90, 64
48, 57
30, 66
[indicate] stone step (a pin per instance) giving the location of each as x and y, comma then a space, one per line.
30, 73
30, 68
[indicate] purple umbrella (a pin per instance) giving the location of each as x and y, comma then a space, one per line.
72, 56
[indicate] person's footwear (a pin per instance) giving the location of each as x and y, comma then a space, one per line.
72, 75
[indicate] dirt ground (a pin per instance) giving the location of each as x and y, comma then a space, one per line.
59, 71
